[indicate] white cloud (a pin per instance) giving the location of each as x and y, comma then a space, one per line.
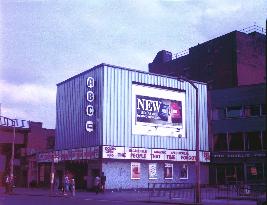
28, 101
27, 93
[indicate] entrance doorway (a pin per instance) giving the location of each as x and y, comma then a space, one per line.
79, 172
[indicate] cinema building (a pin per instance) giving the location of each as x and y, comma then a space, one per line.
134, 126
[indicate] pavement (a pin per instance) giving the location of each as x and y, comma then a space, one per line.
127, 196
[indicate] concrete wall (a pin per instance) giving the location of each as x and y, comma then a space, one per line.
119, 174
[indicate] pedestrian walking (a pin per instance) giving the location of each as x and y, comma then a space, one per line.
103, 182
73, 186
56, 185
7, 184
66, 184
97, 184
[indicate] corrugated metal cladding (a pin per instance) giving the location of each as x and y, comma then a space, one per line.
113, 109
71, 111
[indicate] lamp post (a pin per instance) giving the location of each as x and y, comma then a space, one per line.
52, 179
197, 183
13, 153
13, 148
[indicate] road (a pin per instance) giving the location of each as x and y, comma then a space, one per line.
59, 200
46, 200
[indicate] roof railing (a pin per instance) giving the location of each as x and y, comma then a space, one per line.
254, 28
180, 54
248, 30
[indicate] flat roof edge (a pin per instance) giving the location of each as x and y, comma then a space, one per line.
129, 69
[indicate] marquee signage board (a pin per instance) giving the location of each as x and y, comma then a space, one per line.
113, 152
158, 111
66, 155
158, 154
132, 153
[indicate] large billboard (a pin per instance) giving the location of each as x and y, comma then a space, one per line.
157, 111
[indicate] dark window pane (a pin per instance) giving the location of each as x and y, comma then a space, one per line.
263, 109
50, 142
236, 142
219, 142
220, 175
253, 141
251, 110
234, 112
264, 140
218, 114
265, 170
234, 173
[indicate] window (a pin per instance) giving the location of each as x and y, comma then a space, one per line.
50, 142
220, 142
236, 142
218, 113
234, 172
264, 140
253, 141
265, 170
263, 109
184, 172
234, 112
231, 173
254, 172
220, 175
209, 70
251, 110
168, 171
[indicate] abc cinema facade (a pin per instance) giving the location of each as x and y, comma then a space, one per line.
136, 127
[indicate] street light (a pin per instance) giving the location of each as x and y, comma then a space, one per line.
13, 148
197, 184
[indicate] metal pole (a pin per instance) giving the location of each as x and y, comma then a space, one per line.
198, 194
12, 155
197, 165
52, 180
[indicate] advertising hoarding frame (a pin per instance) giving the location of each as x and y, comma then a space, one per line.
158, 111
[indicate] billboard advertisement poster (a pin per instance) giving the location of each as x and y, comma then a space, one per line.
184, 172
168, 171
135, 170
152, 171
158, 111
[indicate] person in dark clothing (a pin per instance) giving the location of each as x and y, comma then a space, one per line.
103, 182
97, 184
7, 184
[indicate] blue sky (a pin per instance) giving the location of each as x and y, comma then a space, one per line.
44, 42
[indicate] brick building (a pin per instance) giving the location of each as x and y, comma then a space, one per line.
231, 60
234, 68
30, 138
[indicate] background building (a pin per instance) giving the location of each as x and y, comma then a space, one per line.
134, 126
231, 60
239, 139
30, 138
234, 68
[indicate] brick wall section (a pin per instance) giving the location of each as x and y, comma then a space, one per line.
251, 52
